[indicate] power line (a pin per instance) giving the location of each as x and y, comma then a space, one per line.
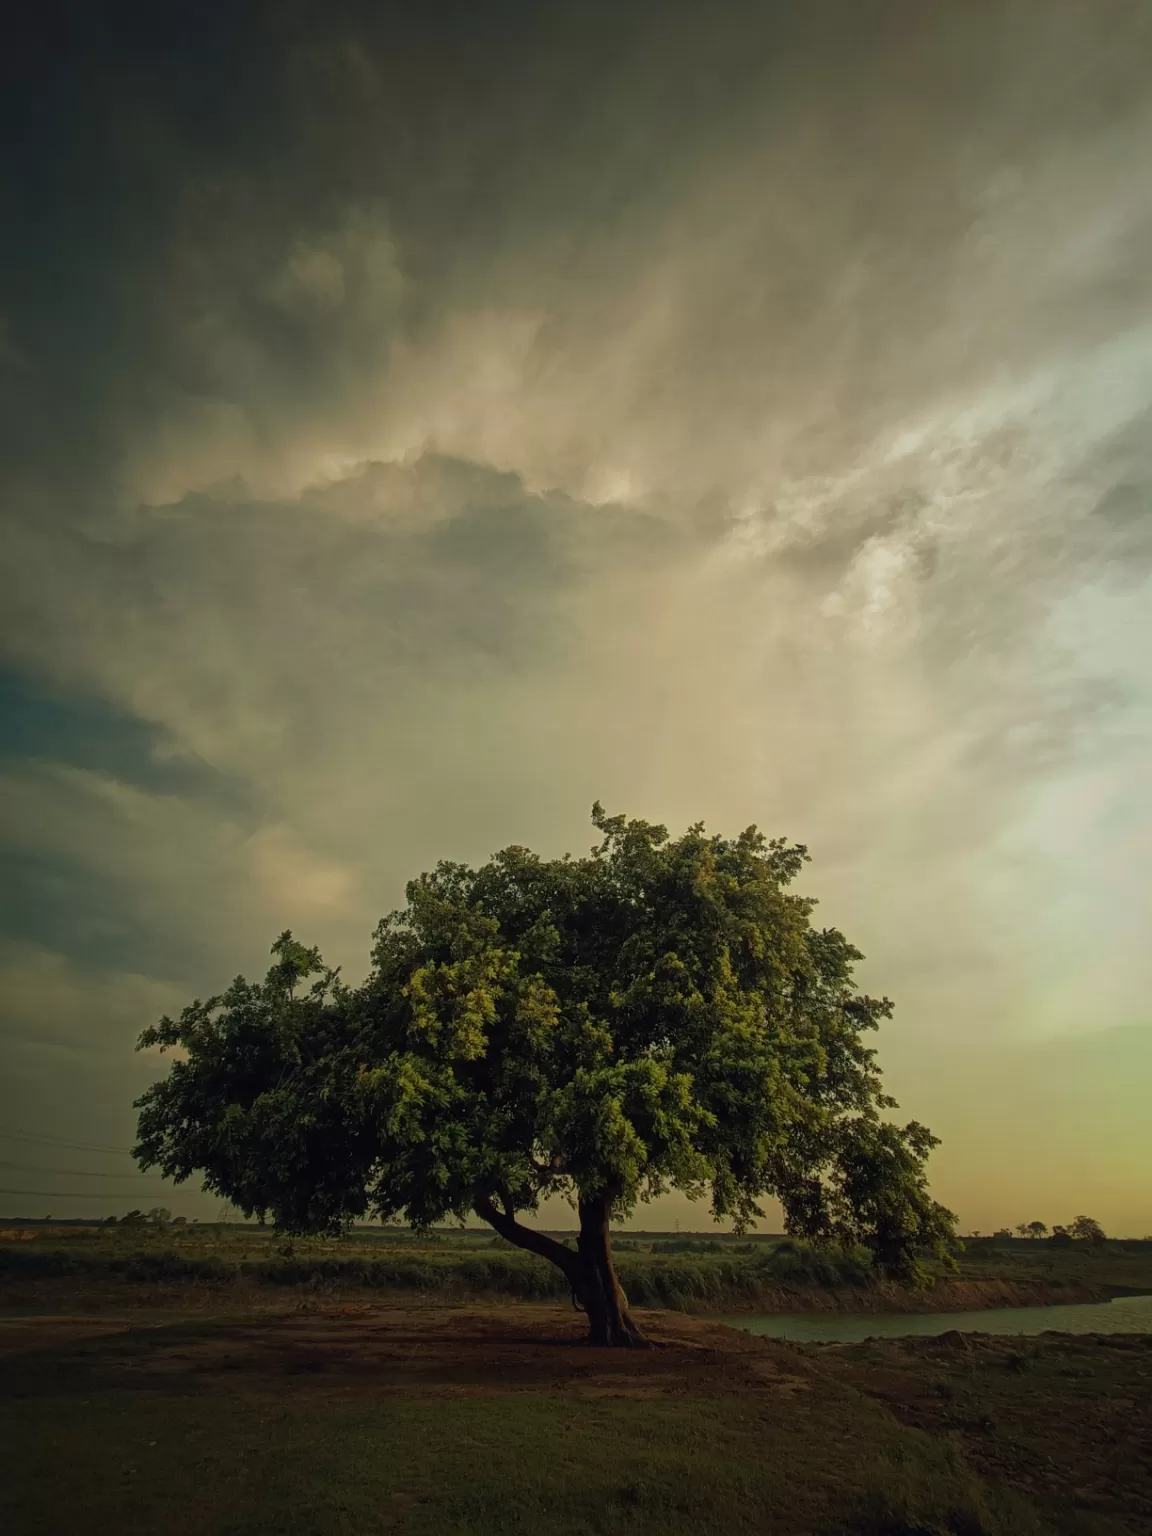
86, 1194
60, 1141
80, 1173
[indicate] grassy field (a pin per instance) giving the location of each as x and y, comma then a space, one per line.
1117, 1262
1062, 1420
694, 1274
206, 1379
433, 1419
661, 1270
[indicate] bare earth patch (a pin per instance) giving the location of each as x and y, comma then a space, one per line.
18, 1334
388, 1350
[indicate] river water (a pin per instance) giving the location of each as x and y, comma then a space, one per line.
1127, 1314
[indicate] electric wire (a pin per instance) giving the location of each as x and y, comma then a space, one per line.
79, 1173
60, 1141
79, 1194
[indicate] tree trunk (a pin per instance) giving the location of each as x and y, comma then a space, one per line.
589, 1269
609, 1321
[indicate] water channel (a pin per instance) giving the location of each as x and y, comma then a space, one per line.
1126, 1314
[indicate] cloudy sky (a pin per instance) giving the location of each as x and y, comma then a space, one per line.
419, 422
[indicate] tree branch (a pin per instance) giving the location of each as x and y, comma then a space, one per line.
528, 1238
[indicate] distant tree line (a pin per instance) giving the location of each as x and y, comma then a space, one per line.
158, 1216
1083, 1229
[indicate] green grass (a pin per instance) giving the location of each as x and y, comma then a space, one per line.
1064, 1419
93, 1457
1115, 1262
680, 1273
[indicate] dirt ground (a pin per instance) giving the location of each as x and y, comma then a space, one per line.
375, 1349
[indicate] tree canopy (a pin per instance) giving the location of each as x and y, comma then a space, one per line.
1087, 1230
661, 1014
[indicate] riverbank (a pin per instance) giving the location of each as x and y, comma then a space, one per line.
941, 1296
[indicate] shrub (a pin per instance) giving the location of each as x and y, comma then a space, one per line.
134, 1266
710, 1275
801, 1264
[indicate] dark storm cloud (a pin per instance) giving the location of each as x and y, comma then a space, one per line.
173, 158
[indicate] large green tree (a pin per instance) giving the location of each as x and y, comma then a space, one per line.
661, 1014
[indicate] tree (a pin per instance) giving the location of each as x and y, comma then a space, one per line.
159, 1215
1061, 1237
1087, 1230
1036, 1229
134, 1218
660, 1014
